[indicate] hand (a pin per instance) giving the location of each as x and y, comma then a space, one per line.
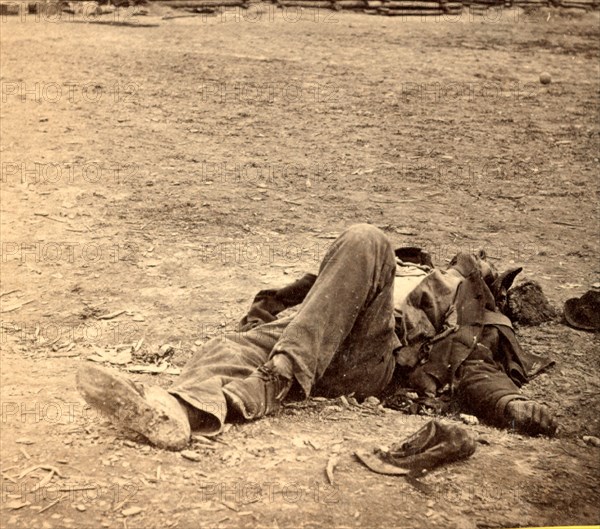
530, 417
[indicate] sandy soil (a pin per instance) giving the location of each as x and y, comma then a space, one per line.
170, 171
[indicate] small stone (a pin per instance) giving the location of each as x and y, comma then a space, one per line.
591, 440
165, 349
138, 317
468, 419
80, 507
371, 402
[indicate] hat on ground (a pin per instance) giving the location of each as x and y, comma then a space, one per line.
584, 312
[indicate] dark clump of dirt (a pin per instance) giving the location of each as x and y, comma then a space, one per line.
528, 305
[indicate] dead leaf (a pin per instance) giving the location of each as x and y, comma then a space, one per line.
111, 315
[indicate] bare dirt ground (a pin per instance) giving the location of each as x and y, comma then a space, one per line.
171, 171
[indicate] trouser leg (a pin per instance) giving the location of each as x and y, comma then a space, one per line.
342, 339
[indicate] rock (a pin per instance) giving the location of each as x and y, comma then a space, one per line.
468, 419
528, 305
591, 440
165, 349
371, 402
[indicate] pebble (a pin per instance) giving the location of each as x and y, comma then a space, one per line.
80, 507
468, 419
371, 401
591, 440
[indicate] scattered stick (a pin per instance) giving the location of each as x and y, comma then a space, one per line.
46, 216
9, 292
43, 467
567, 224
111, 315
24, 452
229, 505
17, 307
77, 488
6, 476
44, 481
331, 464
53, 469
51, 504
116, 23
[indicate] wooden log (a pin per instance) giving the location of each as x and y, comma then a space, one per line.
323, 4
578, 5
414, 4
350, 4
200, 3
415, 12
407, 4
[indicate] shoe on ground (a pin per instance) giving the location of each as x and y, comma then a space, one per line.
148, 410
259, 394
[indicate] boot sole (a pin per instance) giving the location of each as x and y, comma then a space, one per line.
139, 410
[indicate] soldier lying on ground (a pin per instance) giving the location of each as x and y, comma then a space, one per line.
372, 319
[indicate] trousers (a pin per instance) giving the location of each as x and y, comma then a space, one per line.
340, 341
